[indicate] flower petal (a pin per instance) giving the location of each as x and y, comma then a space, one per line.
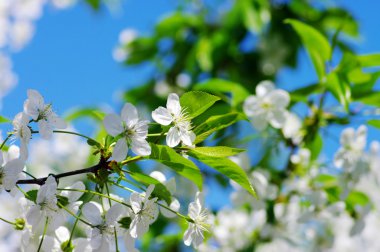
277, 118
46, 130
113, 214
264, 87
188, 236
162, 116
140, 147
113, 124
120, 150
62, 233
173, 137
129, 115
279, 98
173, 104
92, 212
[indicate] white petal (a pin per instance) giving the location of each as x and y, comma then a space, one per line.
259, 121
277, 118
46, 130
140, 147
129, 115
158, 175
173, 104
113, 214
34, 216
136, 202
279, 98
347, 137
58, 122
264, 87
188, 236
113, 124
35, 96
187, 137
74, 195
31, 109
251, 105
149, 191
173, 137
162, 116
62, 234
92, 212
120, 150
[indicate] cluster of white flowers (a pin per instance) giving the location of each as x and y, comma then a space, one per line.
47, 210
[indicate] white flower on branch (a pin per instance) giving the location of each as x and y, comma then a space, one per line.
61, 237
171, 186
181, 131
22, 132
352, 148
43, 114
267, 106
132, 131
199, 224
11, 166
102, 236
144, 212
46, 204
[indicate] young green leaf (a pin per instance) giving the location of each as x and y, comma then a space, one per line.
374, 123
213, 124
197, 102
227, 168
217, 151
178, 163
4, 119
369, 60
220, 86
316, 45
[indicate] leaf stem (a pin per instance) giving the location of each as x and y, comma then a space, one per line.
43, 235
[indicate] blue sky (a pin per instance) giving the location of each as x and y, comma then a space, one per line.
70, 59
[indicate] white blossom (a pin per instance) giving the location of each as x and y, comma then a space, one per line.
43, 114
171, 186
46, 204
11, 165
102, 236
22, 132
132, 131
267, 106
292, 127
173, 114
302, 157
199, 224
144, 212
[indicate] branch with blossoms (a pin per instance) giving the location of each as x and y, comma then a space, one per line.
112, 216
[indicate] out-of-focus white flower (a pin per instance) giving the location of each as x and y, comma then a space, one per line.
242, 160
43, 114
144, 212
127, 36
173, 114
132, 131
292, 128
352, 147
171, 186
183, 80
267, 106
10, 168
22, 132
7, 78
46, 204
21, 33
302, 157
103, 234
63, 4
162, 88
121, 52
199, 224
53, 244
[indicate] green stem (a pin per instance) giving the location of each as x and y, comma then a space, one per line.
114, 228
69, 132
5, 140
74, 215
7, 221
43, 235
157, 134
95, 193
134, 159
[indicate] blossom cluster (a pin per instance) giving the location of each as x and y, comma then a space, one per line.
47, 209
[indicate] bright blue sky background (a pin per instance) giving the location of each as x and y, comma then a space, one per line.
70, 59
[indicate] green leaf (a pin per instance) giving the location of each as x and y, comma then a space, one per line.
32, 195
93, 113
178, 163
302, 94
369, 60
227, 168
370, 99
204, 50
315, 43
356, 198
315, 146
217, 151
340, 88
160, 189
220, 86
4, 119
375, 123
197, 102
325, 181
213, 124
125, 222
